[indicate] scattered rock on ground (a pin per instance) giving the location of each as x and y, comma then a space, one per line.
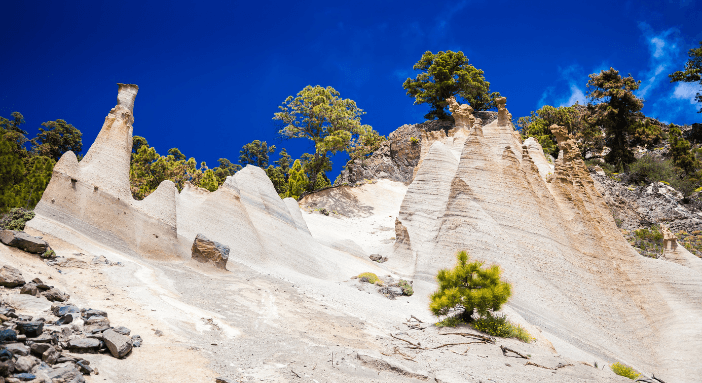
31, 329
10, 277
205, 250
24, 241
377, 258
84, 345
54, 295
118, 344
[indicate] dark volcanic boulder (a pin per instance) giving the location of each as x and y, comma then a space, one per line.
208, 251
55, 295
84, 345
24, 241
31, 329
8, 335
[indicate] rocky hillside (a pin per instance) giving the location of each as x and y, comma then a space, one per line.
399, 155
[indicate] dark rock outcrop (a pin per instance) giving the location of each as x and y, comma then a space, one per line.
207, 251
397, 157
24, 241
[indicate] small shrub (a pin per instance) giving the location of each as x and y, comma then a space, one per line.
16, 219
625, 371
495, 325
450, 321
498, 325
49, 253
406, 287
370, 278
414, 141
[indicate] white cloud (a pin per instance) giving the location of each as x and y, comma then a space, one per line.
686, 91
576, 95
568, 90
664, 50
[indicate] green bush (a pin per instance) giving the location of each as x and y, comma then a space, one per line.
49, 253
625, 371
414, 140
450, 321
649, 169
406, 287
370, 278
16, 219
498, 325
470, 288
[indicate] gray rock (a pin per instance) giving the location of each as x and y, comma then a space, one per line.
66, 319
136, 340
40, 348
118, 344
377, 258
208, 251
31, 329
84, 367
41, 285
7, 367
54, 295
29, 288
84, 345
97, 323
25, 376
50, 356
18, 349
10, 277
122, 330
26, 363
68, 372
8, 335
92, 312
60, 311
24, 241
43, 338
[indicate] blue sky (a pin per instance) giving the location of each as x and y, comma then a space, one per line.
211, 74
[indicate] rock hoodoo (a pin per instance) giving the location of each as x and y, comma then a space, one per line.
93, 198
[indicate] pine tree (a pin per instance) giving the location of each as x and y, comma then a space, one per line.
40, 169
209, 180
298, 181
12, 172
680, 152
469, 287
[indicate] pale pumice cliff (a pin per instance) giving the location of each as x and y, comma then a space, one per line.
92, 197
572, 271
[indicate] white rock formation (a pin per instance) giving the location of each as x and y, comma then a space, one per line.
571, 269
264, 232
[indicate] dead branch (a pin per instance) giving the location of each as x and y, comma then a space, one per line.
561, 365
418, 345
506, 349
538, 365
404, 355
295, 373
487, 339
415, 318
451, 344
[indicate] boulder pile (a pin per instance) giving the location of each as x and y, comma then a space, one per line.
48, 349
